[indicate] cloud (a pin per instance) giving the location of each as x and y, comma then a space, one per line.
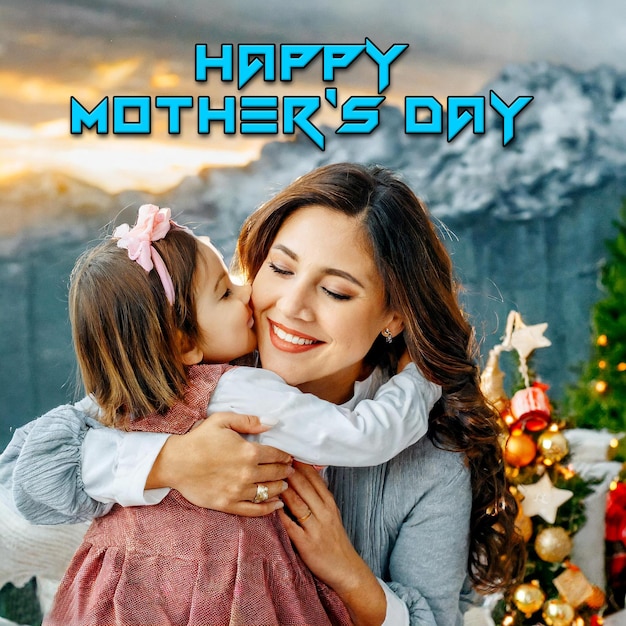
41, 90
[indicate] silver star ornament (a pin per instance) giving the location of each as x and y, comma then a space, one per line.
543, 498
529, 338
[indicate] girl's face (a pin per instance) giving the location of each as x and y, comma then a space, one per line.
222, 309
319, 303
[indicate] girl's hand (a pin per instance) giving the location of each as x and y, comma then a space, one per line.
320, 539
212, 466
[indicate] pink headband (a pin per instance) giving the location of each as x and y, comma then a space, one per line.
152, 224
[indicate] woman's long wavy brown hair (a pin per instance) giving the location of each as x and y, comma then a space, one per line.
417, 273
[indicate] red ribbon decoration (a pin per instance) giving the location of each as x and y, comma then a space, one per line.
531, 408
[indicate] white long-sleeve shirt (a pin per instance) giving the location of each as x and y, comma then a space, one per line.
357, 434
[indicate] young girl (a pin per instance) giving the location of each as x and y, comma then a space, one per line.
147, 307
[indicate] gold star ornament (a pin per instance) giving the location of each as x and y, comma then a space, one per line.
543, 498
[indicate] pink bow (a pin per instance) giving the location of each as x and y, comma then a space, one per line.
152, 224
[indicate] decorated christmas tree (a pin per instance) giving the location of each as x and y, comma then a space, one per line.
598, 400
555, 591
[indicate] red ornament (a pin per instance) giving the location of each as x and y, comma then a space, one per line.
531, 408
616, 514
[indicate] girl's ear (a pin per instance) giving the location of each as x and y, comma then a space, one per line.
190, 353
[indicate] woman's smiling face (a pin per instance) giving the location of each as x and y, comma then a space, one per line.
319, 303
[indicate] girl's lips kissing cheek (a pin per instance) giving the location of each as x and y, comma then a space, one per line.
289, 340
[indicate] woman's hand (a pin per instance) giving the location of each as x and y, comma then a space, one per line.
319, 536
212, 466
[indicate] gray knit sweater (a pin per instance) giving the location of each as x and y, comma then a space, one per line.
408, 518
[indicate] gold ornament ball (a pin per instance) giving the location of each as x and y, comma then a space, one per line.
558, 613
520, 449
553, 544
553, 446
528, 598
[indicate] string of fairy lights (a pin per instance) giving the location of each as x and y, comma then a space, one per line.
602, 386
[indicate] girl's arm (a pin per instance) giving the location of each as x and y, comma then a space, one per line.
219, 470
51, 481
322, 433
222, 471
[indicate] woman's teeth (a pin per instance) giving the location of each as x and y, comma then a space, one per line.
300, 341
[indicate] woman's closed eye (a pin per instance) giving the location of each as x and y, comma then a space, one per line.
279, 270
335, 295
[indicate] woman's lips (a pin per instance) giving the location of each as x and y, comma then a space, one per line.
289, 340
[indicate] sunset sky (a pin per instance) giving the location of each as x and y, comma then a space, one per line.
51, 50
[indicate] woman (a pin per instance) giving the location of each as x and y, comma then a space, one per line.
321, 255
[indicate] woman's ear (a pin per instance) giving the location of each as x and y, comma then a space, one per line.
190, 353
395, 324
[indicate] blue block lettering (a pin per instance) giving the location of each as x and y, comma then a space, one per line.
412, 104
173, 104
456, 122
204, 63
120, 106
296, 112
248, 68
360, 115
339, 56
98, 116
206, 115
296, 56
254, 113
384, 60
508, 113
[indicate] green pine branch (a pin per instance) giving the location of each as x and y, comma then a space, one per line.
598, 399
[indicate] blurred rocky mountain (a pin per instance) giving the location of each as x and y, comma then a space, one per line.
525, 223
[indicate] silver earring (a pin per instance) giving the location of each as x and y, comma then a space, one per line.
387, 335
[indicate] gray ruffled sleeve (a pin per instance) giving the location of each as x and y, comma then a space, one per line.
41, 467
428, 562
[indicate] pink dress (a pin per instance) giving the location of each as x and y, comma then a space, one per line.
175, 563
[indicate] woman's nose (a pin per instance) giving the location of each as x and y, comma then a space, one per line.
294, 302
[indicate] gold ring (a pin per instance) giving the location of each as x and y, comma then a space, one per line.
304, 518
262, 494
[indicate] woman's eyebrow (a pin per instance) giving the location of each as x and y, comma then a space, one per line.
290, 253
334, 272
327, 270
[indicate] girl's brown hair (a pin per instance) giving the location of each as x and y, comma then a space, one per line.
417, 273
126, 335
